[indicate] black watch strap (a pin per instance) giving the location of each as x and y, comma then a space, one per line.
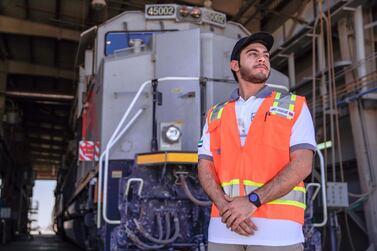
254, 199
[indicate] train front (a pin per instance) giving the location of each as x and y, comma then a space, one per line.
146, 81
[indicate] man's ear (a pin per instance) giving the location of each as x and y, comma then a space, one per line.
234, 65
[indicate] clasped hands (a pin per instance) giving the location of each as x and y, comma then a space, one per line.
236, 215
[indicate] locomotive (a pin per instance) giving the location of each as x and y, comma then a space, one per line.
129, 179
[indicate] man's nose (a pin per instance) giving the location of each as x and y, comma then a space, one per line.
261, 58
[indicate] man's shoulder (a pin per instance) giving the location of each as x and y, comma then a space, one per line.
289, 97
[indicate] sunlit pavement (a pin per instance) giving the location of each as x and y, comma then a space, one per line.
40, 243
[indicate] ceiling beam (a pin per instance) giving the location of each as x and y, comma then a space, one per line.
47, 142
44, 131
54, 159
40, 118
39, 95
24, 68
52, 156
25, 27
245, 6
46, 150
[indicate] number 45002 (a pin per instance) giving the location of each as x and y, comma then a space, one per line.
160, 11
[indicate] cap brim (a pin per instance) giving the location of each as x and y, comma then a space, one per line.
264, 37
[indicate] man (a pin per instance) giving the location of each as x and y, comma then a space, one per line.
255, 152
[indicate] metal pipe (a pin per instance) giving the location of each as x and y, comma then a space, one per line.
333, 229
359, 41
154, 145
151, 238
4, 239
139, 243
112, 141
188, 193
291, 70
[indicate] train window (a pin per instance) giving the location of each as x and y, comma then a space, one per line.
118, 41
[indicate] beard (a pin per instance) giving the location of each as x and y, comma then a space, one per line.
256, 78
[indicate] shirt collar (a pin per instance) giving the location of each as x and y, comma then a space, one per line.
265, 92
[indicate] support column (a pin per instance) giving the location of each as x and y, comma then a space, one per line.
292, 70
3, 85
364, 126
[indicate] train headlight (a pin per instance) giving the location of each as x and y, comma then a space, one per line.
184, 11
196, 12
172, 134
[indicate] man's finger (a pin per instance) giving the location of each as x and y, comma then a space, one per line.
230, 220
236, 223
240, 231
225, 216
225, 209
228, 198
251, 224
246, 228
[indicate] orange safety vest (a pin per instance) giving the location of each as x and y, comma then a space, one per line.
242, 169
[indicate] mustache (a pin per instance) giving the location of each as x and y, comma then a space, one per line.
261, 65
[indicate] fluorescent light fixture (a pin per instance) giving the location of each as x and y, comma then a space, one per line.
324, 145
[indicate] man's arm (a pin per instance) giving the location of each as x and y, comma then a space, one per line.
209, 181
296, 171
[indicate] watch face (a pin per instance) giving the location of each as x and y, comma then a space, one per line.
253, 197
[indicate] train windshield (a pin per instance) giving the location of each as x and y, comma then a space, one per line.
119, 41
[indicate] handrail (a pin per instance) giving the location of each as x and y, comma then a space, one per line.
114, 138
100, 168
323, 185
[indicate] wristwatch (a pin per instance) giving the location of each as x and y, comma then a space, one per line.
254, 199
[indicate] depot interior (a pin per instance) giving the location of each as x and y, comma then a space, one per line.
327, 49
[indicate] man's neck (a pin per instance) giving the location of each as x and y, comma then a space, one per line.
248, 89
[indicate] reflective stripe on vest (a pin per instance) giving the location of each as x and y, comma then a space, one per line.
216, 111
296, 197
287, 103
231, 188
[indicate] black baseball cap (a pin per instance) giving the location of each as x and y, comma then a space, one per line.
262, 37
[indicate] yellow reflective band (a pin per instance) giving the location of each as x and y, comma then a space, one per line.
168, 157
300, 189
277, 97
293, 97
275, 104
232, 182
291, 107
220, 112
288, 202
252, 183
259, 184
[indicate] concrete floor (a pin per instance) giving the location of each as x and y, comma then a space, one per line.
41, 243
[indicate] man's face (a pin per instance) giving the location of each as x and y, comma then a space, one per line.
254, 65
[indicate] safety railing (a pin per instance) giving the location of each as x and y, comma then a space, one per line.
321, 186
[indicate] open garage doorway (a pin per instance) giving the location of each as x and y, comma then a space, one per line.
41, 214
